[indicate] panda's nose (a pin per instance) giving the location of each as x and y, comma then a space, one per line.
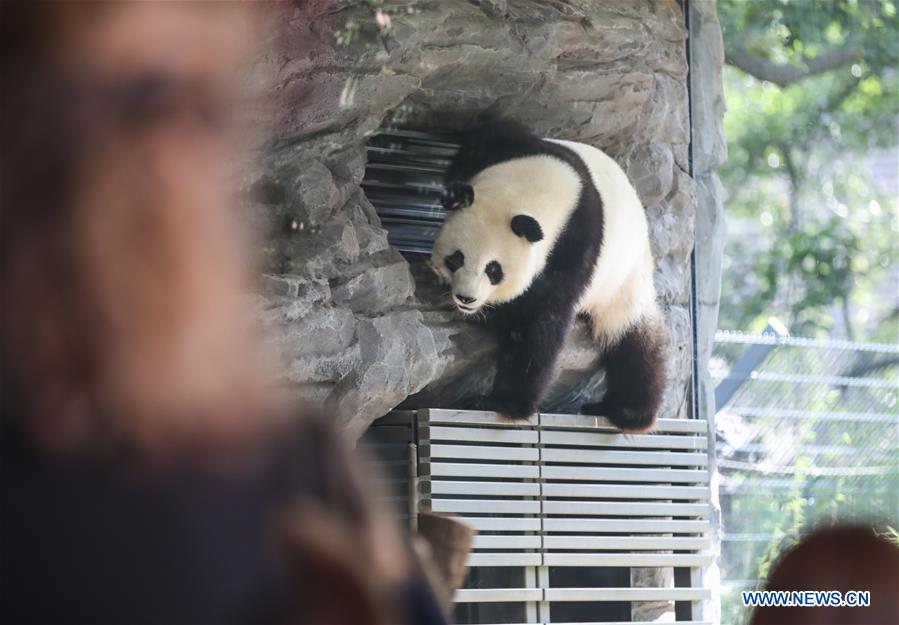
464, 299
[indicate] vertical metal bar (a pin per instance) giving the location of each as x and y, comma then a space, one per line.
413, 483
694, 291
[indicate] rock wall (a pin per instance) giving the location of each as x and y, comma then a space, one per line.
359, 326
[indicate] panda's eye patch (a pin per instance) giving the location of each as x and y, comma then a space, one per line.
494, 272
454, 260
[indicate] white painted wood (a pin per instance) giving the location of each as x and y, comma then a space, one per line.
627, 594
626, 491
478, 452
504, 559
618, 623
634, 526
479, 435
605, 456
550, 420
478, 469
514, 460
636, 543
530, 608
485, 506
502, 524
507, 542
543, 582
626, 508
480, 595
574, 421
613, 474
639, 623
453, 487
632, 441
472, 417
626, 559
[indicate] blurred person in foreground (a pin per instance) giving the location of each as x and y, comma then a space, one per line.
149, 472
843, 558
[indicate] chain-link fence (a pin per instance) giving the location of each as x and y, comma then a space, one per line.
807, 434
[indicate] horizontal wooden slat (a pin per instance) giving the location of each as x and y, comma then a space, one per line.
618, 623
484, 506
613, 474
502, 524
632, 441
478, 469
627, 594
633, 526
504, 559
453, 487
506, 542
626, 508
472, 417
569, 421
626, 559
480, 595
655, 543
636, 623
603, 456
483, 595
479, 435
552, 420
478, 452
625, 491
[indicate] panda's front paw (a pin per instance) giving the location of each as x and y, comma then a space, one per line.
508, 408
457, 195
626, 420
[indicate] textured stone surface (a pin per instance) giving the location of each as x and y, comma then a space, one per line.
356, 324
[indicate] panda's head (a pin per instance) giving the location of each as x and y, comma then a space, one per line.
487, 252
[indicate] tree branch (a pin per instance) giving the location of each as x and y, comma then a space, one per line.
786, 74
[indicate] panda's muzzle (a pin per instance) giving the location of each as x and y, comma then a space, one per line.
463, 302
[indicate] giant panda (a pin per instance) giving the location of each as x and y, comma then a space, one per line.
539, 232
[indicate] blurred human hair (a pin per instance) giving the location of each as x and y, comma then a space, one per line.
839, 558
128, 353
123, 269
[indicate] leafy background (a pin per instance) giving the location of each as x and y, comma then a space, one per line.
812, 91
811, 170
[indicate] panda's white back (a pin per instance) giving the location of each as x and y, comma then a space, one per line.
622, 289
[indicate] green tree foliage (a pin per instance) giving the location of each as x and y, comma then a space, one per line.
812, 105
812, 90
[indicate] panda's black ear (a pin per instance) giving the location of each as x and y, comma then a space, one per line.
527, 227
458, 195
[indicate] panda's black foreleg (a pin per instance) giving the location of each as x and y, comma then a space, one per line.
635, 378
528, 350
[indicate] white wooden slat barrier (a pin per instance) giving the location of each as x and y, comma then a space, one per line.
566, 491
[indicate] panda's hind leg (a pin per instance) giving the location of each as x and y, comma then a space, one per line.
636, 368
